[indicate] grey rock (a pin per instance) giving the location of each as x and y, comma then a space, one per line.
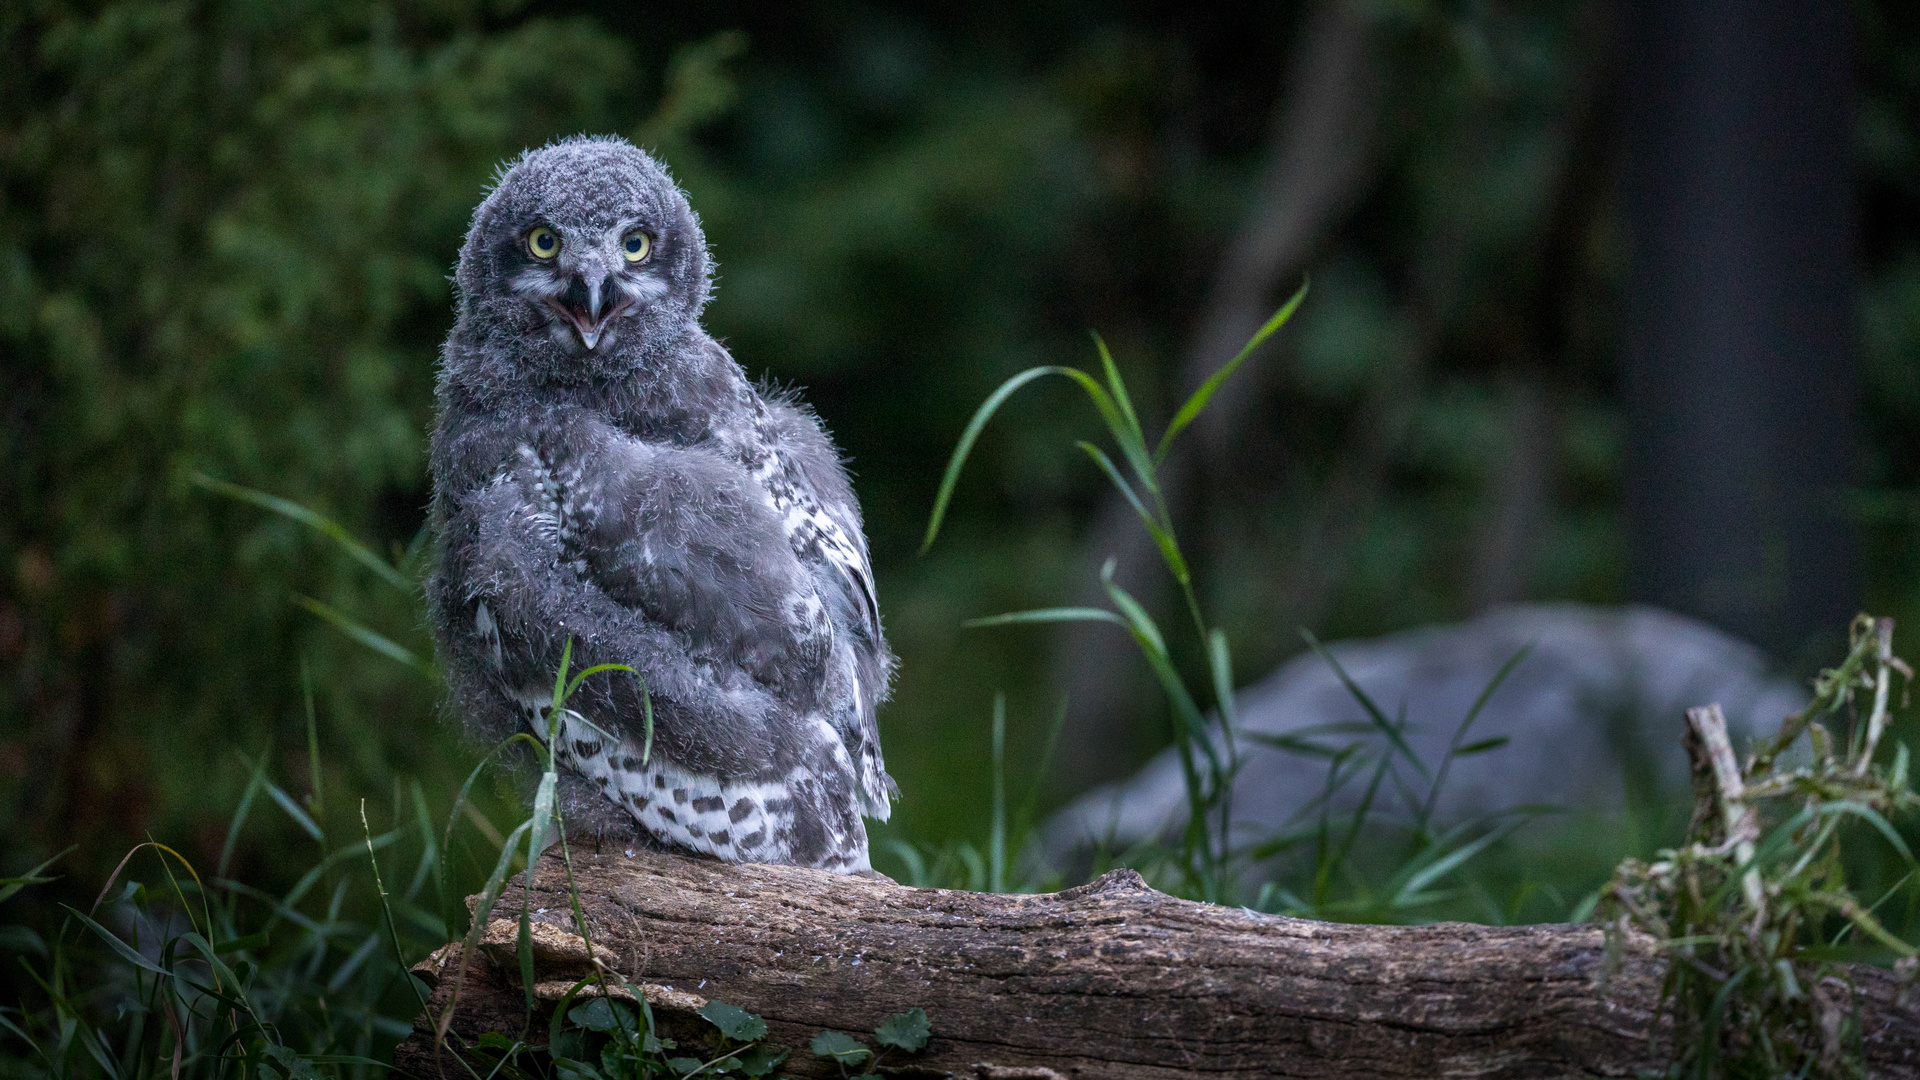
1592, 711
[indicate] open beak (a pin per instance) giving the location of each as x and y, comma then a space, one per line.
588, 307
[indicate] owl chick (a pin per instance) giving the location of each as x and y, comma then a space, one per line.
604, 472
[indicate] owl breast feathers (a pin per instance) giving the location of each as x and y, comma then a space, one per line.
604, 473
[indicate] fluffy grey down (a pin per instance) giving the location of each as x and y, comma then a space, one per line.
604, 471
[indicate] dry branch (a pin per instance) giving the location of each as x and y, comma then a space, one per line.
1110, 979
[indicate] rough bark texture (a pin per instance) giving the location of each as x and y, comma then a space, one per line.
1109, 979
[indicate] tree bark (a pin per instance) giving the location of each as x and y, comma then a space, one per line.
1110, 979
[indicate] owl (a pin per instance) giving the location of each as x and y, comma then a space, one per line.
605, 474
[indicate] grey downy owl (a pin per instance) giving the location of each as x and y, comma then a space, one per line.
604, 473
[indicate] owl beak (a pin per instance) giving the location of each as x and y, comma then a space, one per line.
589, 306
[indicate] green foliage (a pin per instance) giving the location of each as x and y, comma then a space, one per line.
845, 1050
172, 972
214, 978
1208, 764
906, 1031
1756, 910
734, 1022
1211, 862
227, 231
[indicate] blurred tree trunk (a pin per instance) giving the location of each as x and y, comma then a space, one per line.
1739, 380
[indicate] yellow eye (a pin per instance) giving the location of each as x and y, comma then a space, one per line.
543, 243
636, 246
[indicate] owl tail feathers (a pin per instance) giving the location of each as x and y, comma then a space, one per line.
877, 789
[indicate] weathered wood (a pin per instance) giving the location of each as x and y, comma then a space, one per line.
1110, 979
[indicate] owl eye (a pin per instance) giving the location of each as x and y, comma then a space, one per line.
543, 243
636, 246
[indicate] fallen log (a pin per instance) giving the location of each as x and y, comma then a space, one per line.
1111, 979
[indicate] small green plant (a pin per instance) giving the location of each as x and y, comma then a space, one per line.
211, 978
1755, 911
1208, 763
1331, 885
961, 864
605, 1040
905, 1032
1211, 859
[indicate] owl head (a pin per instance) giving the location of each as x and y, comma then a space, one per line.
583, 259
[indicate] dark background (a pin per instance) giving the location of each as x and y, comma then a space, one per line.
1609, 302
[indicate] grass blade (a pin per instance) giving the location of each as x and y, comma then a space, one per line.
1447, 863
1169, 550
372, 639
1048, 615
125, 951
1101, 401
1220, 665
295, 811
574, 685
997, 836
1132, 440
646, 716
1872, 817
313, 737
9, 886
1459, 733
460, 800
319, 522
1380, 721
1138, 620
559, 689
1205, 394
240, 816
393, 932
542, 821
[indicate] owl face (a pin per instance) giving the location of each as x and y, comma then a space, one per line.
584, 253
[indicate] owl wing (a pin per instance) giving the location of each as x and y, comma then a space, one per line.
680, 535
527, 520
823, 523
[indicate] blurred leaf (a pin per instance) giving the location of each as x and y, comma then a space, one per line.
734, 1022
9, 886
844, 1049
907, 1031
1200, 397
600, 1014
313, 520
1104, 404
761, 1060
1483, 746
370, 638
1046, 615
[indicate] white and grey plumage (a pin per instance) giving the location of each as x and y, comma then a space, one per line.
604, 471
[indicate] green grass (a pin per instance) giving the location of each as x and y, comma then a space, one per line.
173, 969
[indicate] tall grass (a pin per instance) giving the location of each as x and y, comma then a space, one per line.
172, 971
175, 971
1212, 860
1208, 763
